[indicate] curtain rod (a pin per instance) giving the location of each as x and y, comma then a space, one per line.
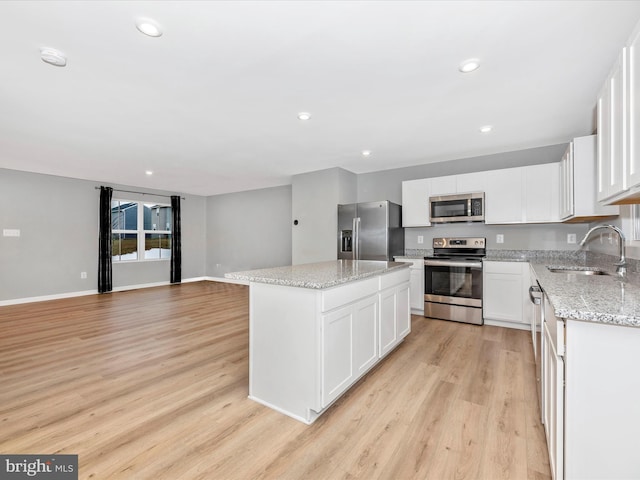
140, 193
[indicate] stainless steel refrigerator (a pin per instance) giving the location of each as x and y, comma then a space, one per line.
370, 231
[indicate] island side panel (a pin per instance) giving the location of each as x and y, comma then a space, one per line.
284, 349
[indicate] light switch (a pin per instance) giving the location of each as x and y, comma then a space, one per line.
10, 232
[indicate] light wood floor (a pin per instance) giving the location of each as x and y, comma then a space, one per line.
153, 384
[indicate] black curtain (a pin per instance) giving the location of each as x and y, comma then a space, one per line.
176, 246
104, 243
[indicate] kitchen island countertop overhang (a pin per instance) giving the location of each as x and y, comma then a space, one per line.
318, 275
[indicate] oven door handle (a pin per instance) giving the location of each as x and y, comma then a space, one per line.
449, 263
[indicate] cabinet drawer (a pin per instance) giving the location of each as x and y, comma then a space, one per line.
350, 292
394, 278
513, 268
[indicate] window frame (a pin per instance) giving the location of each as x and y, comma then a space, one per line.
141, 233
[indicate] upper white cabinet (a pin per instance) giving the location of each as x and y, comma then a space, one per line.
470, 182
619, 129
578, 183
512, 195
443, 185
415, 203
503, 196
522, 194
541, 192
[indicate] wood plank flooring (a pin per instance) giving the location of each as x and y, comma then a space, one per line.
153, 384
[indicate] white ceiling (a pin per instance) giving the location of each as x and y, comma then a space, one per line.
211, 105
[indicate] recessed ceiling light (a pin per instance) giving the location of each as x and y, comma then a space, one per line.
148, 27
304, 116
53, 57
148, 172
486, 129
469, 65
366, 153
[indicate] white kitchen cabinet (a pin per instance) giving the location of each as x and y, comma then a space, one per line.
612, 158
527, 194
416, 284
470, 182
415, 203
505, 294
395, 318
307, 346
633, 112
503, 196
540, 187
590, 397
578, 183
349, 346
445, 185
553, 389
567, 206
619, 128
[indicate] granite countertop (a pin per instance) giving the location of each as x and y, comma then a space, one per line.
318, 275
591, 298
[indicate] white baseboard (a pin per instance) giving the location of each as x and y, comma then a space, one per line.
44, 298
499, 323
227, 280
59, 296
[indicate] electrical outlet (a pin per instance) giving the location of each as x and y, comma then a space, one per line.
83, 275
420, 239
499, 238
571, 238
10, 232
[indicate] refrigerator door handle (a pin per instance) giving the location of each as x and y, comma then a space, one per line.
356, 238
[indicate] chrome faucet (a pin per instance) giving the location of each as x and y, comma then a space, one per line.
621, 265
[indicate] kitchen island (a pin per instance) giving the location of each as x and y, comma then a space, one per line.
315, 329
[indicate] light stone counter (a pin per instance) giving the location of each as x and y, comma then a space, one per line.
590, 298
318, 275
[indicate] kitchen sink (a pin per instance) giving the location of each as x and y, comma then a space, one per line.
578, 271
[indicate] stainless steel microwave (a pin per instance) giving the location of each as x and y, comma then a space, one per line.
463, 207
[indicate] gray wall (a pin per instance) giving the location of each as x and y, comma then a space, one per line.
248, 230
58, 221
387, 184
546, 236
59, 224
315, 197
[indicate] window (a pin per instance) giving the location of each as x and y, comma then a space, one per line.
140, 231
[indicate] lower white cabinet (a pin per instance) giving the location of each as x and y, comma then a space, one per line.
553, 390
505, 294
590, 397
349, 346
416, 283
308, 346
395, 318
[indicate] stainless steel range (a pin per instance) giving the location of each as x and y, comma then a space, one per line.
453, 280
